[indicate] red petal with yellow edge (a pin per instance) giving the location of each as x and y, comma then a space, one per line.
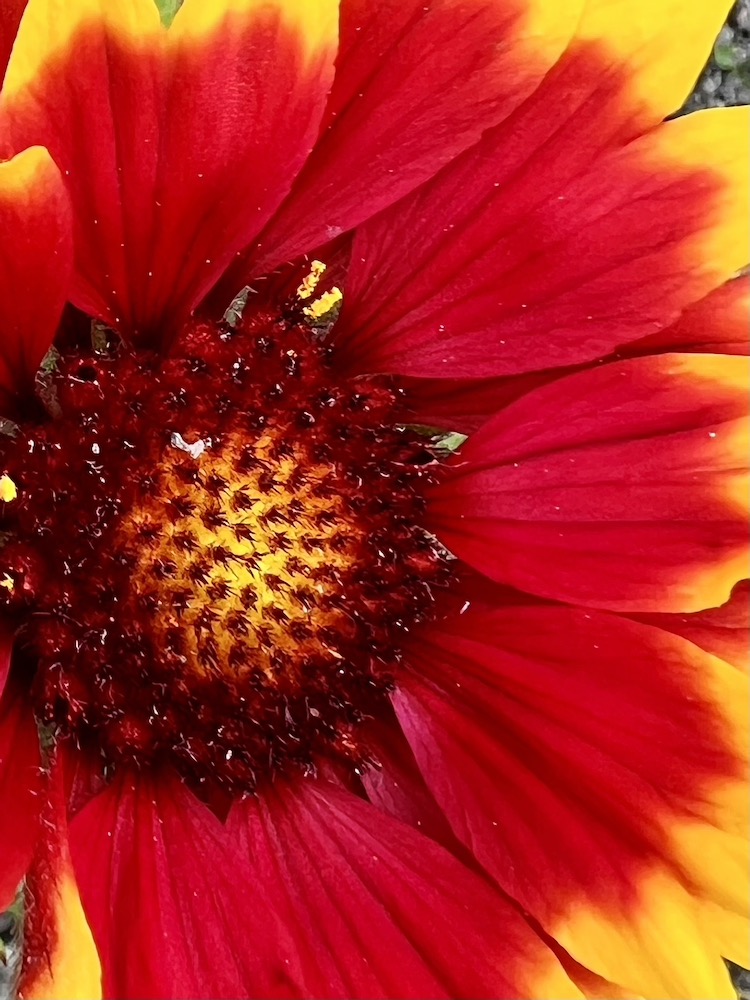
60, 958
621, 487
620, 75
36, 258
19, 787
718, 831
717, 324
417, 82
657, 49
503, 265
569, 749
177, 146
723, 631
375, 909
71, 968
10, 18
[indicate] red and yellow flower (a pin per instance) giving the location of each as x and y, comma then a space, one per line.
300, 699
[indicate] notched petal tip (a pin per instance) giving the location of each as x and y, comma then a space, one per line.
315, 22
51, 28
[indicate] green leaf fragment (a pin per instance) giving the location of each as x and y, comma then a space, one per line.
167, 10
451, 442
441, 440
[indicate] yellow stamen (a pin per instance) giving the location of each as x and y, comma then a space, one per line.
8, 582
308, 286
322, 307
8, 489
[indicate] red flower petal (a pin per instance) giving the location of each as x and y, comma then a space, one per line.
620, 487
505, 264
6, 653
36, 257
717, 324
20, 784
175, 913
177, 146
577, 755
464, 404
164, 897
371, 908
620, 76
416, 83
396, 786
723, 631
10, 18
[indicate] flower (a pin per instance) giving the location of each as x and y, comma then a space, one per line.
384, 645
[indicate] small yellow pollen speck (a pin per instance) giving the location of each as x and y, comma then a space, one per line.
308, 286
8, 582
324, 305
8, 490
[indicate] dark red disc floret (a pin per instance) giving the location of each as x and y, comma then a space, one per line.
213, 557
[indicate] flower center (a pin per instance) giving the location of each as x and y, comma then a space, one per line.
212, 557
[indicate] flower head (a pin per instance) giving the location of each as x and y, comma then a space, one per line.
372, 501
